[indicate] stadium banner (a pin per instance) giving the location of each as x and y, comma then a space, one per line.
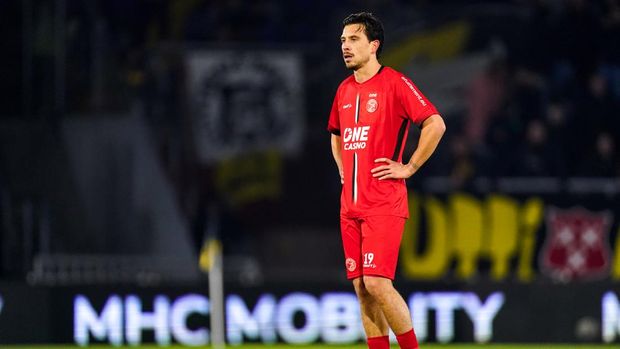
522, 229
245, 101
131, 315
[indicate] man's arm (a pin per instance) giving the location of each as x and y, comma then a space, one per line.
337, 153
433, 129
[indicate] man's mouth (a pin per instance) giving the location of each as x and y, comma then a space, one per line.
347, 56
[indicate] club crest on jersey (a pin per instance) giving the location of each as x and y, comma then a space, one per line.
371, 105
577, 244
350, 264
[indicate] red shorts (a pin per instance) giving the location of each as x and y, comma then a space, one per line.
371, 245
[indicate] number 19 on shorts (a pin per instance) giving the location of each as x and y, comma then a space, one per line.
368, 257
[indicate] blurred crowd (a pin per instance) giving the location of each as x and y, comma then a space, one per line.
548, 104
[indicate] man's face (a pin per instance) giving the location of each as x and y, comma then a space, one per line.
356, 49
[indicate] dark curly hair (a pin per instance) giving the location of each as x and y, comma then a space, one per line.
373, 28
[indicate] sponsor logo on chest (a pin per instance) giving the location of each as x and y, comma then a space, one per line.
355, 137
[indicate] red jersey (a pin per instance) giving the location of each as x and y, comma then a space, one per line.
372, 118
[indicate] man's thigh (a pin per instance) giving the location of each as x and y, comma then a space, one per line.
381, 237
351, 233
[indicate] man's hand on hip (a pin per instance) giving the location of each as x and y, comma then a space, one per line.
392, 169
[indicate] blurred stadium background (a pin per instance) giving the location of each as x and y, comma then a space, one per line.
134, 132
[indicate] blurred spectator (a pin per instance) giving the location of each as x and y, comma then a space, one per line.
558, 121
610, 68
502, 141
535, 158
597, 111
463, 164
578, 36
486, 95
603, 160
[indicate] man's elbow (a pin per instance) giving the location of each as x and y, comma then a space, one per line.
439, 125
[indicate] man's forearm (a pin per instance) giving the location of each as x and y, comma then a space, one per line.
433, 129
337, 151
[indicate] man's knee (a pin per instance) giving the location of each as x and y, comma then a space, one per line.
360, 288
377, 286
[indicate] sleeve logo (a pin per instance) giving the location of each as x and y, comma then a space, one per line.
415, 92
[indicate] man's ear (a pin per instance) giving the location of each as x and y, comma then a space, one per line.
375, 45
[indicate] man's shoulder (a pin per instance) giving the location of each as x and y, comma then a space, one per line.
348, 80
392, 74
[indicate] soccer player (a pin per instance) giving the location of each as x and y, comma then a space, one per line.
369, 122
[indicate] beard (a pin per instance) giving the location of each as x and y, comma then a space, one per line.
356, 64
353, 65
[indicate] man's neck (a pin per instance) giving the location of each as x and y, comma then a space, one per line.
366, 72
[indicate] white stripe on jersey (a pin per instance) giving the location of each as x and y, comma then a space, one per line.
357, 119
357, 108
354, 178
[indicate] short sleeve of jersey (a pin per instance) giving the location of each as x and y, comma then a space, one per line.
416, 106
333, 125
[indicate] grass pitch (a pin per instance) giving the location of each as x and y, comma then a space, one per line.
324, 346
